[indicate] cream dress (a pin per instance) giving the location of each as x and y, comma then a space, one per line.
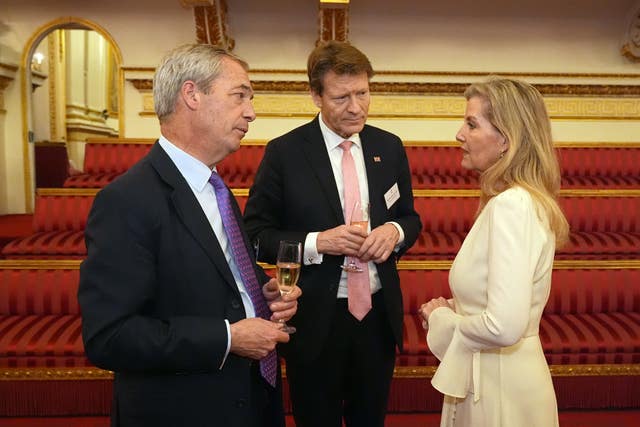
492, 369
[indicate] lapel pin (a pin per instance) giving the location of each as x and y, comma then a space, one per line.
376, 159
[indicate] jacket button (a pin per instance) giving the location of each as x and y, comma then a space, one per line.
235, 304
241, 403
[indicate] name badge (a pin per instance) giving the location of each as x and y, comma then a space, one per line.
392, 195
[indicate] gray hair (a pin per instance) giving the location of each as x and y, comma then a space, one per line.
200, 63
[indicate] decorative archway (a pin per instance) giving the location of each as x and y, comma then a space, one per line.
68, 22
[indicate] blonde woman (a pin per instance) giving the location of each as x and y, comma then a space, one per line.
493, 371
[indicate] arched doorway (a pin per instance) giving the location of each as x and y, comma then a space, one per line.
78, 96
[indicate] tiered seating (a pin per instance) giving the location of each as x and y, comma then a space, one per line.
604, 166
434, 165
39, 315
604, 224
105, 159
43, 368
590, 332
590, 329
58, 226
615, 166
592, 317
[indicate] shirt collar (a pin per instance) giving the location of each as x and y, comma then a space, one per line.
193, 170
332, 139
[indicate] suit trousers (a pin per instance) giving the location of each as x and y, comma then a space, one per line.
266, 400
352, 375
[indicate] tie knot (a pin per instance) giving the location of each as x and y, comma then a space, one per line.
216, 181
346, 145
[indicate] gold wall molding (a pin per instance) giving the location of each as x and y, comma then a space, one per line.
556, 370
333, 21
445, 88
142, 84
74, 192
211, 24
631, 46
567, 264
54, 374
287, 104
89, 373
406, 100
145, 87
4, 83
40, 264
7, 72
151, 70
468, 74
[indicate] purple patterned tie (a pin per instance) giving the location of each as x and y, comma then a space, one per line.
245, 266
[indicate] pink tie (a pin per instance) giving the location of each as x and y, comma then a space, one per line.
358, 290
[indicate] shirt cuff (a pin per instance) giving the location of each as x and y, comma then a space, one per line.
401, 237
311, 255
226, 353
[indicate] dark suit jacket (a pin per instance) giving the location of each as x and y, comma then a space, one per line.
295, 193
154, 291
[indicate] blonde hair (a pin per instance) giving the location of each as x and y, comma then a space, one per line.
517, 110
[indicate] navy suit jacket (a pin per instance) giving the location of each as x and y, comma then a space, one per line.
154, 291
295, 193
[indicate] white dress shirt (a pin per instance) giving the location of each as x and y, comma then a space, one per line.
332, 142
197, 175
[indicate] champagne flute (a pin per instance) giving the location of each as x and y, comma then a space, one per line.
288, 271
360, 218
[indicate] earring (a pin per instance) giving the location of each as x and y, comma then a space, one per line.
501, 154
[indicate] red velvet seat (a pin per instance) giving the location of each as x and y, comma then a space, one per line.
86, 180
622, 160
592, 317
433, 165
104, 161
239, 169
437, 166
58, 223
40, 322
602, 227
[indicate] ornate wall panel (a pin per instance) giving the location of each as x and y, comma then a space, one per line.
333, 21
631, 46
211, 23
384, 105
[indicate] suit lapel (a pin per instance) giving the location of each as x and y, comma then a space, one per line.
373, 163
316, 152
190, 212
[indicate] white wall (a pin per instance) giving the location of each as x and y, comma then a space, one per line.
457, 36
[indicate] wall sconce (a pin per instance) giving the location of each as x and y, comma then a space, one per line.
36, 61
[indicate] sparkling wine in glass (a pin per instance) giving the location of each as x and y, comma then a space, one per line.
288, 271
359, 217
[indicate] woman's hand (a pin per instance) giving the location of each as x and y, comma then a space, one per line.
427, 308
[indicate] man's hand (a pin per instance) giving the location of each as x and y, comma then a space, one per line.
283, 307
255, 337
379, 244
341, 240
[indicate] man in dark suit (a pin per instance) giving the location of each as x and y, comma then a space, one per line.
172, 299
340, 361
